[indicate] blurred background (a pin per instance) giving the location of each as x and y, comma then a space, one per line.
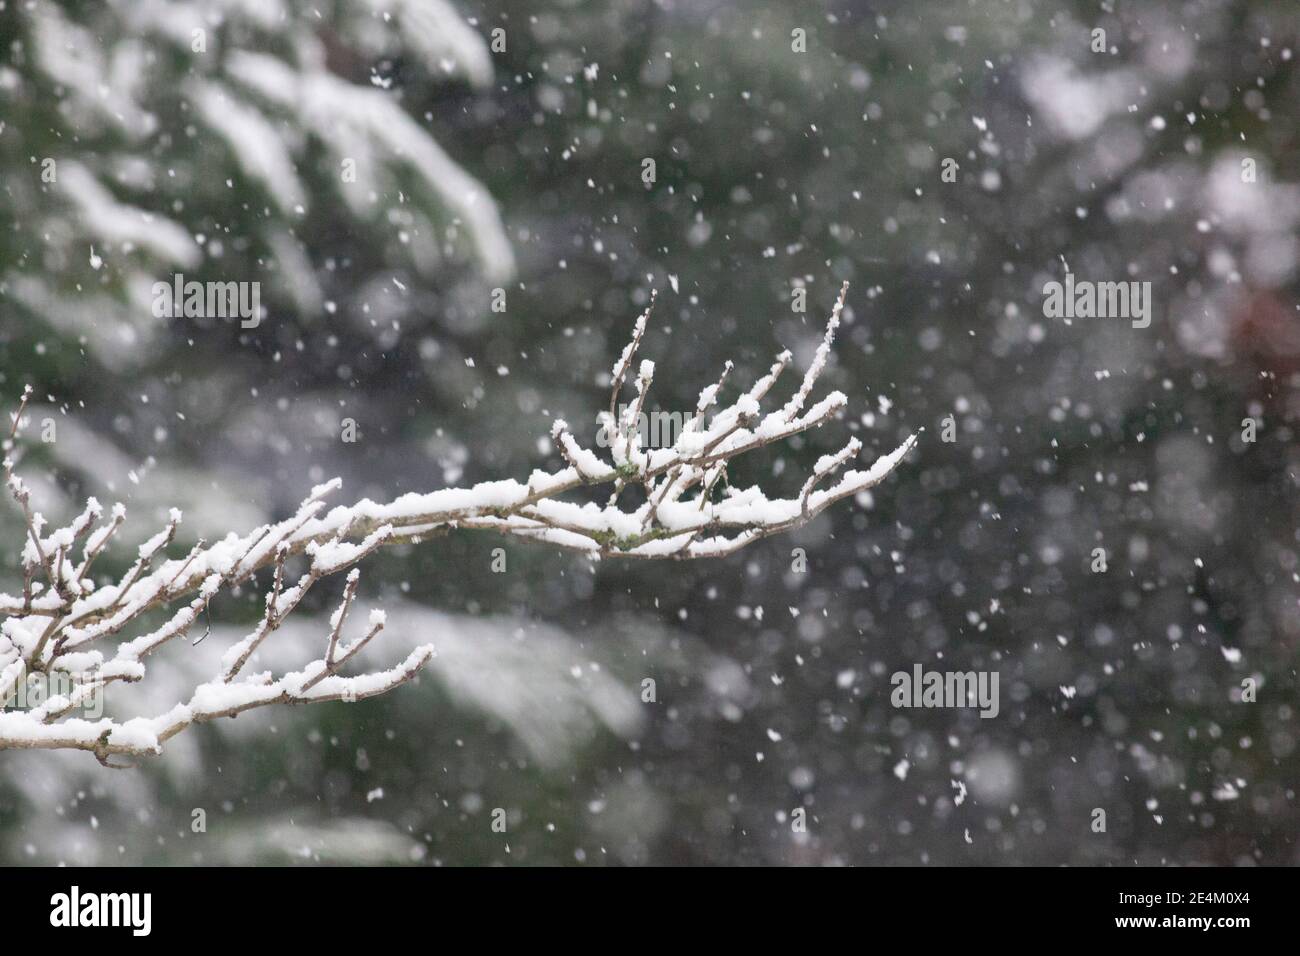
500, 146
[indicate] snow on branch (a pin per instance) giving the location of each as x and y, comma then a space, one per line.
63, 625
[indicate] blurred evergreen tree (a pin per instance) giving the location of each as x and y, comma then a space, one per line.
226, 141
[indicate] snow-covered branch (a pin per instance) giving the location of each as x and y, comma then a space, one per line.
62, 622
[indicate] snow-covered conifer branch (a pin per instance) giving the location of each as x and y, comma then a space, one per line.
62, 622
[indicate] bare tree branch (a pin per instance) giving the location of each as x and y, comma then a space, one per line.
60, 631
